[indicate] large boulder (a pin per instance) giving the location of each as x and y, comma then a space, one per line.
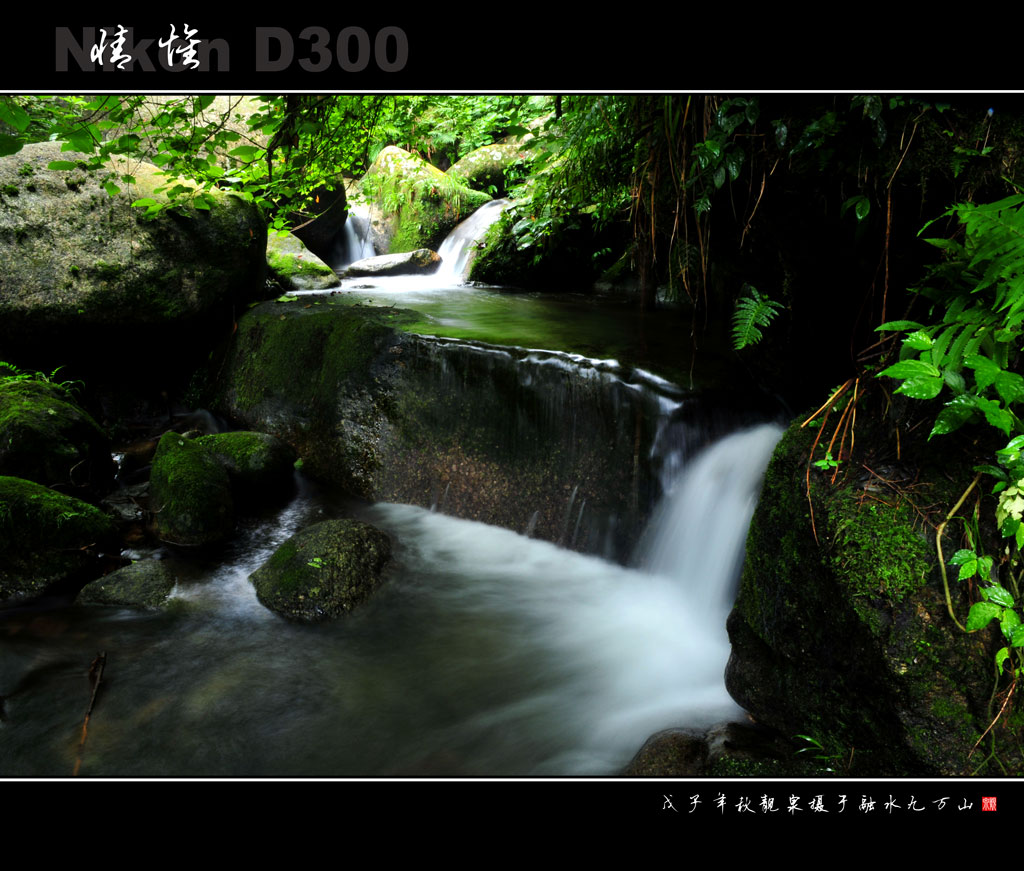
46, 437
314, 377
414, 204
486, 168
540, 444
49, 542
840, 629
324, 571
79, 262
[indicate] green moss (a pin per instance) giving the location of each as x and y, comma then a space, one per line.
190, 493
44, 536
306, 355
877, 549
323, 571
11, 190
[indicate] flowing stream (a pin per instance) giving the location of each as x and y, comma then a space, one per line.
486, 652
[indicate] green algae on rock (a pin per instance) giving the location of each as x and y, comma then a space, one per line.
260, 467
49, 542
294, 266
46, 437
190, 494
324, 571
415, 204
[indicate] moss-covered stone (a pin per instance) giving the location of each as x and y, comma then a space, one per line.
415, 204
315, 378
840, 629
564, 260
76, 258
190, 494
486, 168
260, 467
295, 267
46, 437
143, 584
48, 541
324, 571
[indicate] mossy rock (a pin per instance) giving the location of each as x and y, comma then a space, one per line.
78, 260
49, 542
840, 629
316, 378
413, 204
46, 437
324, 571
295, 267
260, 467
190, 494
143, 584
485, 168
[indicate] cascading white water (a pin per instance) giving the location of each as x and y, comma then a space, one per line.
457, 247
697, 533
354, 243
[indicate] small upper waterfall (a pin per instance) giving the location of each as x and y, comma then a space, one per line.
354, 242
457, 247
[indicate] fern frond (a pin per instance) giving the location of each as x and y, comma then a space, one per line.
752, 311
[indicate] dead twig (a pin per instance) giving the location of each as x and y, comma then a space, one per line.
95, 676
1006, 701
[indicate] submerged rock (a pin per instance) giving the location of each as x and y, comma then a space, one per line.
46, 437
143, 584
49, 542
324, 571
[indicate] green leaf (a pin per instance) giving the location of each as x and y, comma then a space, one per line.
9, 144
61, 164
14, 115
1001, 657
920, 388
1008, 623
918, 340
998, 594
968, 570
981, 614
912, 369
111, 188
245, 152
1017, 639
961, 557
899, 326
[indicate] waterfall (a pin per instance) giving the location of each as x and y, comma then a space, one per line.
457, 247
354, 242
698, 532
